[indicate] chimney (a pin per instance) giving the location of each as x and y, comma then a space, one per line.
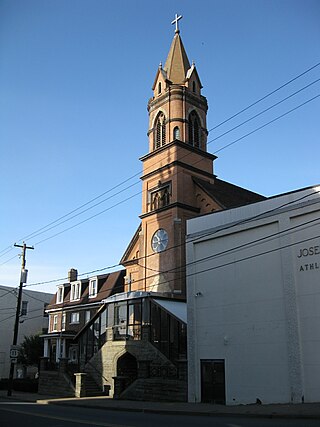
72, 275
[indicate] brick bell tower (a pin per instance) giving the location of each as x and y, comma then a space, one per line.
155, 258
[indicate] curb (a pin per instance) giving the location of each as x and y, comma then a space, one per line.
186, 412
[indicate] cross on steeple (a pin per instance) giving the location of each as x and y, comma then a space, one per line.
175, 21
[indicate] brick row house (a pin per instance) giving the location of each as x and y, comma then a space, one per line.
74, 305
134, 339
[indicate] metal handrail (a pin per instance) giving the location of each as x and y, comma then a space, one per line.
98, 371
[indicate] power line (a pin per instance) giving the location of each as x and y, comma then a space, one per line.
145, 288
264, 97
12, 291
224, 147
87, 219
263, 111
10, 259
13, 315
246, 220
200, 236
29, 295
38, 231
268, 123
33, 297
128, 198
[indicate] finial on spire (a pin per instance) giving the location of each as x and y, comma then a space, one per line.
160, 65
175, 21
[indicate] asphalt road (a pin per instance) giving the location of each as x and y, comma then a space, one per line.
20, 414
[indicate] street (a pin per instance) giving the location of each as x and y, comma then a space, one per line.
22, 414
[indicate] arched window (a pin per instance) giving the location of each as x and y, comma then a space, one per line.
194, 130
193, 86
159, 88
160, 131
176, 133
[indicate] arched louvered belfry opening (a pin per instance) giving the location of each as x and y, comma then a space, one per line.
194, 129
160, 131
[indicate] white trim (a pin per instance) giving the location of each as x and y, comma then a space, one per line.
54, 323
177, 308
60, 300
75, 291
46, 348
72, 307
63, 321
77, 321
91, 280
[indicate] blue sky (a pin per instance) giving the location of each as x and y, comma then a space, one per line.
75, 79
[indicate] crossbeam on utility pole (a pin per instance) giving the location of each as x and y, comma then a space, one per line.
23, 279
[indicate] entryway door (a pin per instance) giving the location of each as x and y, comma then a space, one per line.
213, 381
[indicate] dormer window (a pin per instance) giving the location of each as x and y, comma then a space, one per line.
93, 287
75, 293
176, 133
60, 295
160, 131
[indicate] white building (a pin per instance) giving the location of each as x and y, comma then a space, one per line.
253, 286
33, 320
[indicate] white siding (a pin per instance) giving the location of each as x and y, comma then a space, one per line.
249, 303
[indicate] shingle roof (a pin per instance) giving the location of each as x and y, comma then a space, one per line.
108, 284
228, 195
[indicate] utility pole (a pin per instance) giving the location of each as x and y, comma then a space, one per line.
23, 279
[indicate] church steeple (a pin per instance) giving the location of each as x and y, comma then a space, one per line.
177, 156
177, 180
177, 110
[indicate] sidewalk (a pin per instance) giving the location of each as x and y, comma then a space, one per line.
305, 410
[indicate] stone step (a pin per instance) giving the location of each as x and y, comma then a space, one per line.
156, 390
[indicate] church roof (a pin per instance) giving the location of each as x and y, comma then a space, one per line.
133, 241
228, 195
177, 63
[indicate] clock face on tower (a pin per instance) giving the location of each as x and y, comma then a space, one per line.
159, 240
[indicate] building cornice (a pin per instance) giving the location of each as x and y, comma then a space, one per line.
171, 206
181, 164
80, 306
180, 144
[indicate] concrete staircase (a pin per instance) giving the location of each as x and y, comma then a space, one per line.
156, 389
55, 383
92, 388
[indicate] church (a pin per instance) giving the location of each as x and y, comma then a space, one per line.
126, 332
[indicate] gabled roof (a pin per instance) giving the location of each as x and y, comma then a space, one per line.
131, 245
226, 194
194, 71
177, 63
164, 76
